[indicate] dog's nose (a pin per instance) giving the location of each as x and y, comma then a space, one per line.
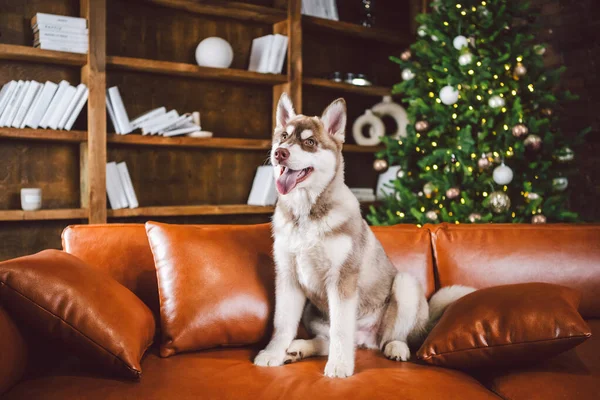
282, 154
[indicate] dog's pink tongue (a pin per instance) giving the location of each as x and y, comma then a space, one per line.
287, 181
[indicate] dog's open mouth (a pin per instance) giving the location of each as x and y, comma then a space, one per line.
289, 178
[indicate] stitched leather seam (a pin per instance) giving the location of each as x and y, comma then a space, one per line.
506, 344
77, 331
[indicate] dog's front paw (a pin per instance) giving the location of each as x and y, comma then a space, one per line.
397, 350
269, 359
338, 369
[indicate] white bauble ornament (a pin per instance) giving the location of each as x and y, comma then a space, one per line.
214, 52
465, 59
499, 202
431, 215
539, 49
434, 38
376, 129
387, 107
428, 189
496, 101
448, 95
422, 31
538, 219
459, 42
407, 74
502, 174
560, 184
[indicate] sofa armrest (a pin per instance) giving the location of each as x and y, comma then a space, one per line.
13, 352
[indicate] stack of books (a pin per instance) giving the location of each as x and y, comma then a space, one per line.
364, 195
60, 33
119, 188
41, 105
321, 8
263, 192
385, 182
268, 54
155, 122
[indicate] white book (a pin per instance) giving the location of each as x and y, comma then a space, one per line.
129, 190
61, 36
111, 189
120, 185
173, 117
62, 42
260, 54
60, 47
182, 131
32, 106
333, 10
263, 192
39, 107
71, 22
58, 28
176, 124
61, 107
16, 103
6, 94
281, 53
77, 110
71, 106
111, 114
385, 180
149, 126
11, 101
119, 110
32, 91
137, 122
200, 134
60, 91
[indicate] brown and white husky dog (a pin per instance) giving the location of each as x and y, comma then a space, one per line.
327, 254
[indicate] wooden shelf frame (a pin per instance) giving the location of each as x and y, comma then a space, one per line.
176, 211
26, 53
348, 88
43, 215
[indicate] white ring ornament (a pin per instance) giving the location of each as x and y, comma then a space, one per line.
394, 110
376, 129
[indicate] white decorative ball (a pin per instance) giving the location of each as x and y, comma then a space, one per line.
460, 41
496, 101
431, 215
434, 38
214, 52
407, 74
503, 175
465, 59
422, 31
560, 184
448, 95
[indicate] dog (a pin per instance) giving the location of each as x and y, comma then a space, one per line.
326, 253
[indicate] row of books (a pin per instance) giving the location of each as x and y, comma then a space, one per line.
158, 121
60, 33
41, 105
119, 188
321, 8
363, 194
268, 54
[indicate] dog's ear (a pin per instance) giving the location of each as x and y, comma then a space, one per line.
285, 110
334, 119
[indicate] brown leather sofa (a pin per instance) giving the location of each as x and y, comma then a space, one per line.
440, 255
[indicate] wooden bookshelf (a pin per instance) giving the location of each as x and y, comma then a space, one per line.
43, 215
44, 135
27, 53
356, 31
342, 87
208, 143
171, 211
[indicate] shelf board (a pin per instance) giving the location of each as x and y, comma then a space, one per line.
354, 148
358, 31
209, 143
227, 9
43, 135
172, 211
346, 87
192, 71
26, 53
43, 215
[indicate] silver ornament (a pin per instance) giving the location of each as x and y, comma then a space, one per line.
565, 155
448, 95
407, 74
499, 202
560, 184
452, 193
533, 142
533, 196
422, 31
496, 101
421, 126
502, 174
474, 217
465, 59
538, 219
434, 38
459, 42
431, 215
400, 174
380, 165
519, 130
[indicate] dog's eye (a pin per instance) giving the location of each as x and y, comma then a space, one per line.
309, 142
284, 136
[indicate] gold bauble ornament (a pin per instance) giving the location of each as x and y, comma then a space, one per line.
538, 219
499, 202
519, 71
452, 193
474, 217
431, 215
520, 130
533, 142
380, 165
406, 55
484, 162
421, 126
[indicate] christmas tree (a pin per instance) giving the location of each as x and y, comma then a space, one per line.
482, 144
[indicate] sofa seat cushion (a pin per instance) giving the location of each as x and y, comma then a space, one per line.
230, 374
571, 375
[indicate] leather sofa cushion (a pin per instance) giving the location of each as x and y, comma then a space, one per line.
495, 254
59, 296
230, 374
506, 325
13, 352
122, 251
574, 374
